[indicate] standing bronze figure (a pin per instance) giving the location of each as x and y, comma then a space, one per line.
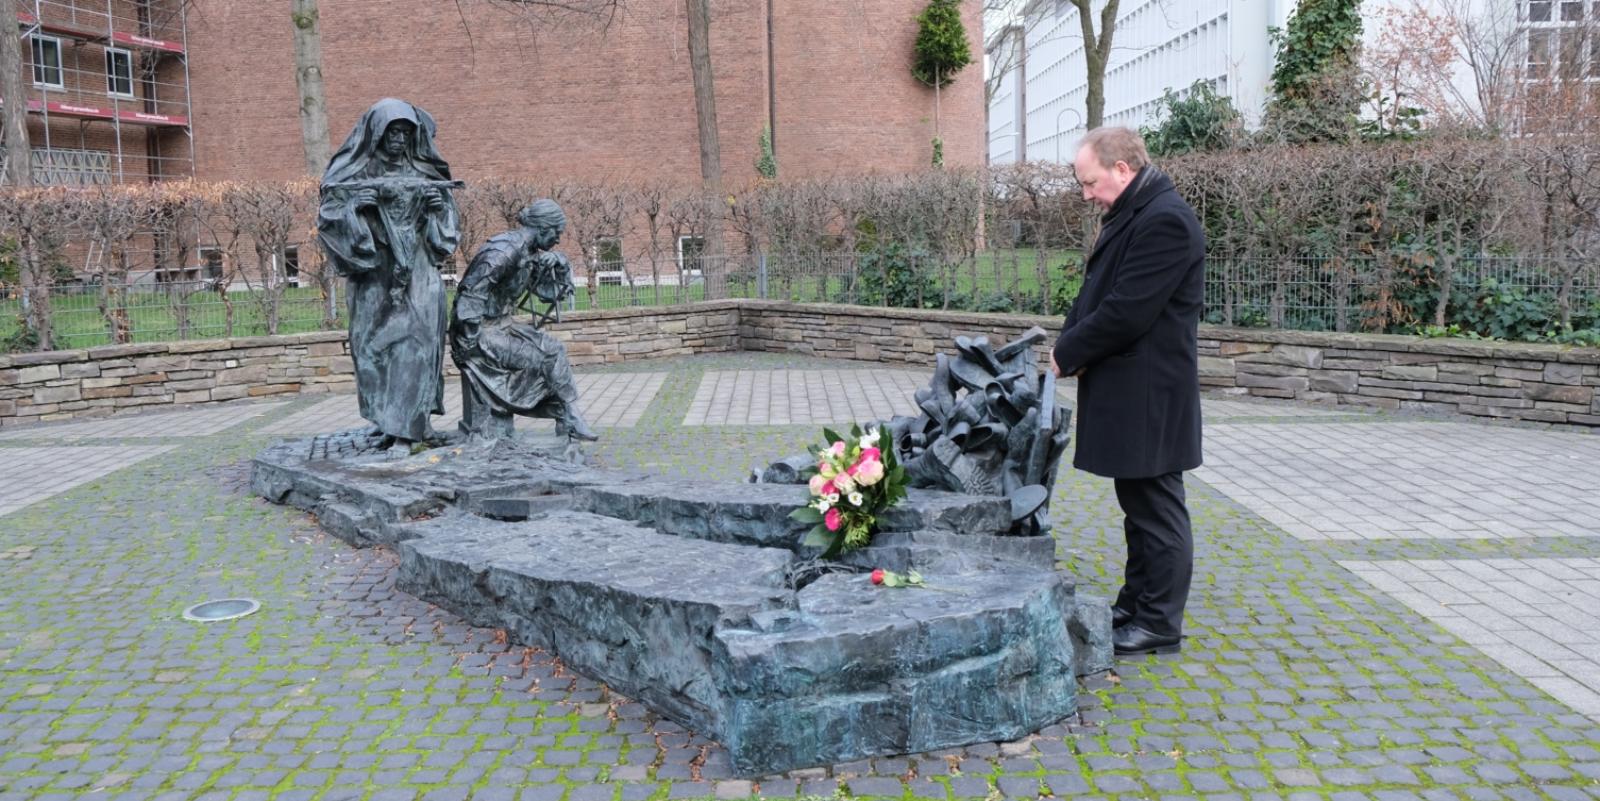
510, 368
387, 221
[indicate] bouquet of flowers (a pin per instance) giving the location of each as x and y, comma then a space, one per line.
855, 479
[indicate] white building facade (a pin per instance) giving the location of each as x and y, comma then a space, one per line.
1037, 102
1036, 112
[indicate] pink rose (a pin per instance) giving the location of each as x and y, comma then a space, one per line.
828, 489
869, 473
837, 448
832, 519
816, 484
873, 454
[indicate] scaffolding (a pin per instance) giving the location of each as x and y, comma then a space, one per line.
109, 97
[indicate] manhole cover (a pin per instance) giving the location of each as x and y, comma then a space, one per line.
224, 609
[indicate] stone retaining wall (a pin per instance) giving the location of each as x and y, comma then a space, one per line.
1546, 383
57, 385
60, 385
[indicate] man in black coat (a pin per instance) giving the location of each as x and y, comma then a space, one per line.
1130, 340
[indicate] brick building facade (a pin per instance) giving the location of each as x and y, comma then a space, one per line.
513, 99
106, 85
519, 100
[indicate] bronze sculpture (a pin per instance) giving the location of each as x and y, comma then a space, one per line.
510, 368
387, 221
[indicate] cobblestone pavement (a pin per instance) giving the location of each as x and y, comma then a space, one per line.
1411, 662
605, 400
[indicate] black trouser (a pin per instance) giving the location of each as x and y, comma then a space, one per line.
1160, 552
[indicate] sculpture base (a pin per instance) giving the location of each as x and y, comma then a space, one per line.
696, 598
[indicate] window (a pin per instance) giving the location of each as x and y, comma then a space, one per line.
608, 254
291, 265
690, 250
1571, 55
1571, 10
1539, 10
608, 267
47, 61
119, 72
1538, 54
211, 262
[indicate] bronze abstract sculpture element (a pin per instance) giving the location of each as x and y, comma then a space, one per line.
387, 221
510, 368
990, 425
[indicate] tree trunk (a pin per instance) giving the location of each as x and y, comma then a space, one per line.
705, 110
14, 112
1094, 104
1096, 53
36, 292
308, 79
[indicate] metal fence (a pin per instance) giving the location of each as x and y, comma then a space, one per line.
86, 315
1505, 297
1513, 298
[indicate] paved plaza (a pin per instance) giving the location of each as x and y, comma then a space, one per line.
1384, 606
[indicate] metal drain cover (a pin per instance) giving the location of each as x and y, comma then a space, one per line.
222, 609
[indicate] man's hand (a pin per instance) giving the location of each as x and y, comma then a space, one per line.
1056, 368
435, 199
366, 197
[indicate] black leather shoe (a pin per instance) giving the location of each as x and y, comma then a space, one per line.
1120, 617
1130, 640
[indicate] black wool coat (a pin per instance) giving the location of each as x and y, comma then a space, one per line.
1132, 332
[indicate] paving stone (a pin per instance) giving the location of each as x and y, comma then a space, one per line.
1326, 649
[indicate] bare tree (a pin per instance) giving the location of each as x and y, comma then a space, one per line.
597, 214
14, 111
306, 17
705, 113
1096, 52
42, 220
1462, 61
113, 217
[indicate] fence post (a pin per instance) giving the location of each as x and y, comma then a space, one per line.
761, 275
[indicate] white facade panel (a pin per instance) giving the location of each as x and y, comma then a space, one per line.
1159, 45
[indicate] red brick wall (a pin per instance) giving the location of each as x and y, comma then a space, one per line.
511, 100
846, 100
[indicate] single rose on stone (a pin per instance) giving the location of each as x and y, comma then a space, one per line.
877, 576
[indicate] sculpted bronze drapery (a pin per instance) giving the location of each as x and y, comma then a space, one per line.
510, 368
387, 221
